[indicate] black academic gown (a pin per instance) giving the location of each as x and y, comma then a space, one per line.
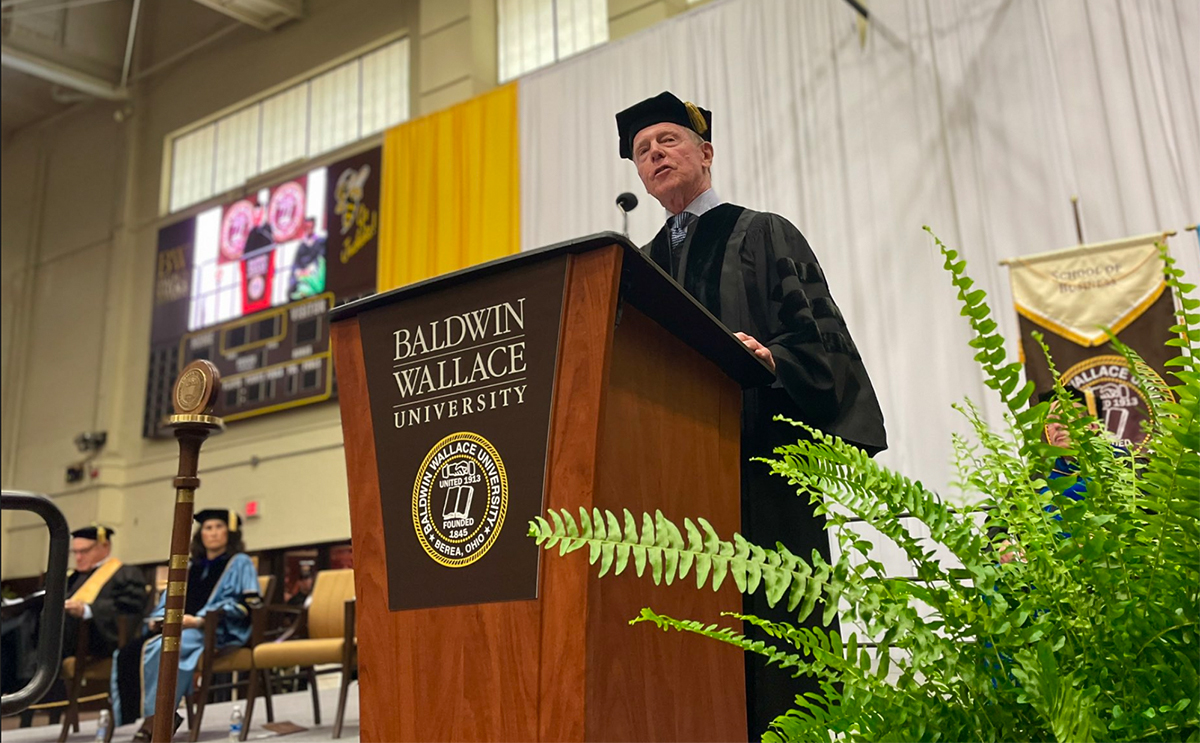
124, 594
757, 274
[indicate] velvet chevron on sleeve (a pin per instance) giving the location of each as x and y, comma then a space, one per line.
757, 274
795, 315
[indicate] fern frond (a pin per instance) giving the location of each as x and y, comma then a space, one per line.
1156, 389
661, 545
728, 636
847, 476
1187, 315
999, 374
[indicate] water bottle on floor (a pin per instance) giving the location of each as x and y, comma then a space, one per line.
102, 726
235, 723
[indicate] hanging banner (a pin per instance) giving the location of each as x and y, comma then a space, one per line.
352, 214
1070, 296
172, 282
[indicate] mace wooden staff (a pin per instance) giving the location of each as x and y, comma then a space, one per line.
194, 396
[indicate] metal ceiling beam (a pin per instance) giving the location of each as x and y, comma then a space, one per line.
59, 74
133, 22
69, 5
265, 15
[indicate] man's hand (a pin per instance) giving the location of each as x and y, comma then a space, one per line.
74, 608
759, 349
192, 622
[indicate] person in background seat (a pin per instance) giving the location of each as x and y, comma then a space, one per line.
220, 576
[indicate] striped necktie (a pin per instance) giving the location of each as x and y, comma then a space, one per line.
679, 226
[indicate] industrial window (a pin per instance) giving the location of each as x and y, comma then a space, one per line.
535, 33
329, 109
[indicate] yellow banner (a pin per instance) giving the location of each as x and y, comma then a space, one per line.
450, 190
1078, 291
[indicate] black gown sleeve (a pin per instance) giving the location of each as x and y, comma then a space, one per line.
124, 594
816, 360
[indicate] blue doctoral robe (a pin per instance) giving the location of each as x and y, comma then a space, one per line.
239, 579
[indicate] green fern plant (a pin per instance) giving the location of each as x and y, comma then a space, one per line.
1090, 634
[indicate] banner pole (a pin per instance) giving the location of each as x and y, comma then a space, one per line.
1078, 224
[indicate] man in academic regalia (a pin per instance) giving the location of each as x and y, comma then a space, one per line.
101, 589
756, 273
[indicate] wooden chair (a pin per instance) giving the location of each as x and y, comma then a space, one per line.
237, 660
323, 634
87, 678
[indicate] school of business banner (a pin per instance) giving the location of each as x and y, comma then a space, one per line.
1070, 296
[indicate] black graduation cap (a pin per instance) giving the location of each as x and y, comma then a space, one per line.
97, 532
664, 108
228, 515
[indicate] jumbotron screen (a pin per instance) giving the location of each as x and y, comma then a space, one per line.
247, 285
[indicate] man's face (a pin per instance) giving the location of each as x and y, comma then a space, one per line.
1057, 432
673, 166
1058, 435
88, 553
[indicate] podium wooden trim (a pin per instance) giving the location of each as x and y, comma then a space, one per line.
645, 415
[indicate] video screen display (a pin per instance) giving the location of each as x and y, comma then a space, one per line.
247, 285
259, 252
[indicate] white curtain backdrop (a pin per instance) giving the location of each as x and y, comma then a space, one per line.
980, 118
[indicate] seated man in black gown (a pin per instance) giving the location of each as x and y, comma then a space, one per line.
101, 589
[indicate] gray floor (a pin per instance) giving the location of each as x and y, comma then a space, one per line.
295, 708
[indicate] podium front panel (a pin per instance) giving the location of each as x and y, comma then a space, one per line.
460, 385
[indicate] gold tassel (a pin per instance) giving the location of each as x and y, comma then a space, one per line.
696, 117
101, 533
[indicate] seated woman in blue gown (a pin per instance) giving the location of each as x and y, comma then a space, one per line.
220, 576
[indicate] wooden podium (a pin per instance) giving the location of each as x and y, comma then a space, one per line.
644, 414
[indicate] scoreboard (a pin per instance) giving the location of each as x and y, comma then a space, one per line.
248, 286
269, 361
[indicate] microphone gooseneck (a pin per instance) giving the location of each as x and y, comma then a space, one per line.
626, 202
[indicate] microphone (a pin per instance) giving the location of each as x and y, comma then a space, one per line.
626, 202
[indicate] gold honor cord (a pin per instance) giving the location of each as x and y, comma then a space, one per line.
194, 397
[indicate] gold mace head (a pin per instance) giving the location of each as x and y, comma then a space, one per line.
196, 389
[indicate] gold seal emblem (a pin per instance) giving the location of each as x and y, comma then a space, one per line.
196, 388
189, 392
459, 499
1110, 379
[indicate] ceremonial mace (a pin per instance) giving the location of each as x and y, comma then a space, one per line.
194, 396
